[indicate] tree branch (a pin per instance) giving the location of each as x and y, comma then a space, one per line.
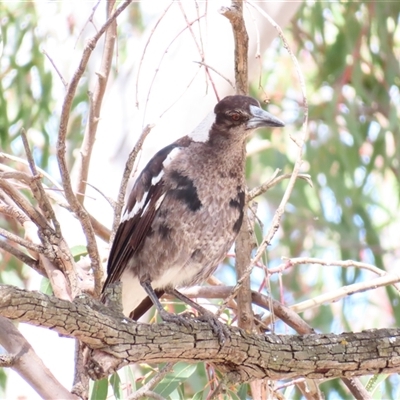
27, 363
96, 100
245, 357
76, 207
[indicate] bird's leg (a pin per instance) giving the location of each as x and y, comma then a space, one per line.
165, 315
219, 328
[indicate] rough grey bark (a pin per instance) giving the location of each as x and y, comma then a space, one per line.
117, 342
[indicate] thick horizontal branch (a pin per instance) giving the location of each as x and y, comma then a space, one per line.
245, 355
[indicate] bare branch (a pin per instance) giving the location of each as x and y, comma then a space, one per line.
25, 243
291, 262
145, 49
143, 391
20, 255
76, 207
55, 67
37, 187
200, 47
39, 170
244, 357
389, 279
27, 363
235, 16
189, 24
286, 314
24, 205
274, 181
13, 212
218, 73
96, 100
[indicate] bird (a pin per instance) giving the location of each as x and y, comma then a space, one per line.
185, 210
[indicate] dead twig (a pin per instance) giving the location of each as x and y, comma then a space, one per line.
55, 67
218, 73
274, 180
37, 187
158, 377
21, 256
27, 363
95, 100
76, 206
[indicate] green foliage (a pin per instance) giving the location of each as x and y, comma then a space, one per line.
25, 85
99, 389
349, 53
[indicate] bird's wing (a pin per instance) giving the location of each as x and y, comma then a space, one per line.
144, 200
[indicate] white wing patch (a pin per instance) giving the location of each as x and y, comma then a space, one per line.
202, 131
171, 155
135, 210
159, 201
157, 178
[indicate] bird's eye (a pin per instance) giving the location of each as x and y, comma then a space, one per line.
235, 116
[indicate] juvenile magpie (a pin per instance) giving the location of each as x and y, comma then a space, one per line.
185, 210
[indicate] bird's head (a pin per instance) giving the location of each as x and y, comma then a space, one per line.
243, 111
234, 118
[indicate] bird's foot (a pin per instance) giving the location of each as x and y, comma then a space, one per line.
180, 319
219, 328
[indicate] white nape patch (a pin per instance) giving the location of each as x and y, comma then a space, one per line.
202, 131
171, 155
137, 207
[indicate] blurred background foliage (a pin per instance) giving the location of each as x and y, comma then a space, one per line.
349, 53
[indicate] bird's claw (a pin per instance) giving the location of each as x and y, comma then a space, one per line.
179, 319
219, 328
187, 319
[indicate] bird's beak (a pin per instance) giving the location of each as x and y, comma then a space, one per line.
262, 118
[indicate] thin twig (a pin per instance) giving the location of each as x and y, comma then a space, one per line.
218, 73
37, 187
22, 242
28, 364
181, 94
39, 170
160, 375
274, 180
291, 262
200, 47
76, 207
20, 255
24, 205
161, 60
90, 19
55, 67
389, 279
145, 49
96, 99
56, 249
12, 211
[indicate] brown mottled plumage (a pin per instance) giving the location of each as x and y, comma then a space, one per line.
186, 208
